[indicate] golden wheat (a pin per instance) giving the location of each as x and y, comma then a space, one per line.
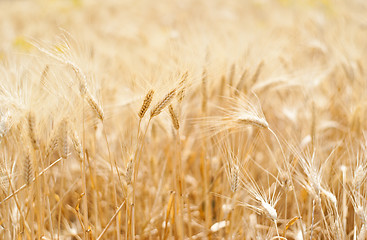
264, 135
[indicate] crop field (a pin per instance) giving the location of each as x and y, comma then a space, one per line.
191, 119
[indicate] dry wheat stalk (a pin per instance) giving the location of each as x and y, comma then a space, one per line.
162, 104
146, 103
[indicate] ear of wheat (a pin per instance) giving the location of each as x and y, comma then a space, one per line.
77, 144
162, 104
234, 175
32, 130
4, 124
63, 139
27, 170
129, 172
251, 119
94, 105
182, 87
174, 118
146, 103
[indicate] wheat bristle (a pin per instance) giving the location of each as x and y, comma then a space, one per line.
162, 104
146, 103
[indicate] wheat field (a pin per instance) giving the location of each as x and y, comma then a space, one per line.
208, 119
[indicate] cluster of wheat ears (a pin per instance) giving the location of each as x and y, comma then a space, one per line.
183, 119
